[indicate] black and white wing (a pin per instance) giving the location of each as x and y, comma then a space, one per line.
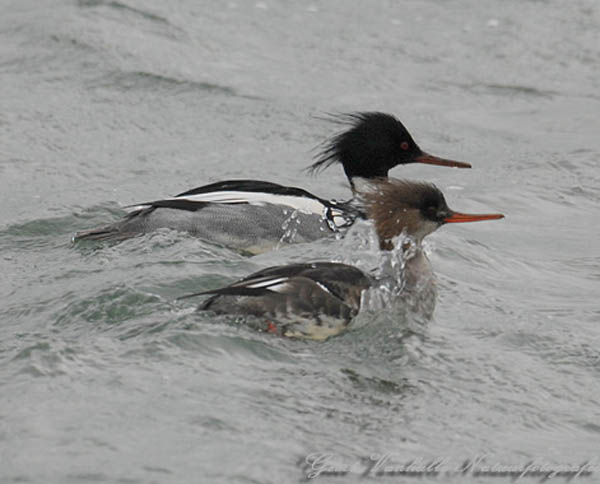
260, 193
314, 300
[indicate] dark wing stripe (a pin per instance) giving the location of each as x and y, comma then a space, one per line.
183, 204
253, 186
234, 185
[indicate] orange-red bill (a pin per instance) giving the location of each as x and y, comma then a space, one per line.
457, 217
434, 160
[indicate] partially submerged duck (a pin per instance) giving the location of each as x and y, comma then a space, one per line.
254, 216
319, 299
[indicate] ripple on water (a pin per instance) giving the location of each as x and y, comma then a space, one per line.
47, 357
141, 81
110, 306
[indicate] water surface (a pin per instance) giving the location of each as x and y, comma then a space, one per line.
105, 377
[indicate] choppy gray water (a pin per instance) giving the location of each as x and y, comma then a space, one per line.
104, 377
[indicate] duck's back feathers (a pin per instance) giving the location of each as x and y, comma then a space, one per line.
248, 186
247, 214
314, 300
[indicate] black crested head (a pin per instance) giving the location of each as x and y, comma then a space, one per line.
374, 143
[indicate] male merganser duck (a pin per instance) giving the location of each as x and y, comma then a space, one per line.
317, 300
254, 216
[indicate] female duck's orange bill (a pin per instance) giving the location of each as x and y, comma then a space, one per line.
434, 160
457, 217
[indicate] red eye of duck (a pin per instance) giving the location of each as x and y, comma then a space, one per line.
404, 145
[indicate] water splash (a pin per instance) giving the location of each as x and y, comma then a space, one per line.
404, 274
290, 227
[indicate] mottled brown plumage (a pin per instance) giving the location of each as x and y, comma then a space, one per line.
318, 300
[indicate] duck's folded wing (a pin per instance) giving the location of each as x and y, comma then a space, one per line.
251, 192
298, 306
313, 282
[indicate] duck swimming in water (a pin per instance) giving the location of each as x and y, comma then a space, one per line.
319, 299
254, 216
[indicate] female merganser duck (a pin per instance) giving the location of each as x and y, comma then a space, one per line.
317, 300
254, 216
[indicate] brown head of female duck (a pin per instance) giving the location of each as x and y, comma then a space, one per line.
317, 300
414, 210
